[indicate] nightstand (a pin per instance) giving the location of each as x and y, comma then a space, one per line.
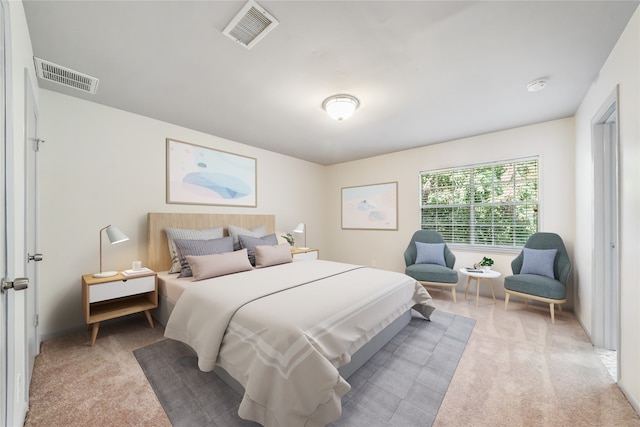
305, 254
111, 297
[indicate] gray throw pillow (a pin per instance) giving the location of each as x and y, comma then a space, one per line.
250, 242
187, 247
538, 261
430, 253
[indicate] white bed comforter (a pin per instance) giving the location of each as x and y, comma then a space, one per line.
284, 347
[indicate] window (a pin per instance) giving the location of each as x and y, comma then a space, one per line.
489, 204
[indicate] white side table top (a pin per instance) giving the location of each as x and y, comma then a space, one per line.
491, 274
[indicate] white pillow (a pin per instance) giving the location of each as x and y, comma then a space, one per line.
208, 266
187, 234
268, 255
235, 231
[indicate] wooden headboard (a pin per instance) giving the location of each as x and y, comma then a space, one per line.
157, 245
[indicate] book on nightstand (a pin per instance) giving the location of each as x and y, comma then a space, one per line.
138, 272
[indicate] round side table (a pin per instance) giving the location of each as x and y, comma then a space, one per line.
478, 277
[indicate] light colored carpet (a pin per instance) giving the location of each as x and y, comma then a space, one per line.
517, 370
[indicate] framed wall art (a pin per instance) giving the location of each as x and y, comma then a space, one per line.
204, 176
370, 207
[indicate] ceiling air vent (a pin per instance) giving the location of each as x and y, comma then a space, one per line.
58, 74
250, 25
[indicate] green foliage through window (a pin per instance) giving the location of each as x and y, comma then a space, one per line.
490, 204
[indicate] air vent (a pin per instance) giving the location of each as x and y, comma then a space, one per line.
64, 76
250, 25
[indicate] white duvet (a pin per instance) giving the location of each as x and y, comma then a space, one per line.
283, 331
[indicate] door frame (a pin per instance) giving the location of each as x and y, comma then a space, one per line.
31, 268
4, 391
605, 252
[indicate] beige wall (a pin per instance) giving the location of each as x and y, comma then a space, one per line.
104, 166
621, 68
551, 141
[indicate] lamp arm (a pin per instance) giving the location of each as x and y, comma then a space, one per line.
101, 230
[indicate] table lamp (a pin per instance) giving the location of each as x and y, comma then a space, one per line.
302, 228
115, 235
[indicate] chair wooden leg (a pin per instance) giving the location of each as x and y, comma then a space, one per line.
453, 292
506, 301
551, 308
560, 308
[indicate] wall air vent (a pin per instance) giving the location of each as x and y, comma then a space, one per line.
64, 76
250, 25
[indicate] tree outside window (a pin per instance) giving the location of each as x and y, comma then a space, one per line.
489, 205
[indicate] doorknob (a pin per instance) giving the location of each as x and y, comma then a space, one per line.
18, 284
35, 257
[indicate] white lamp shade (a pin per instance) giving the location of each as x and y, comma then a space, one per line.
340, 107
116, 235
302, 228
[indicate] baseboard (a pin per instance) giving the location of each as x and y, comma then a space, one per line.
634, 403
58, 334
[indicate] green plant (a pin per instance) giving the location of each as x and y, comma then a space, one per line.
289, 238
486, 262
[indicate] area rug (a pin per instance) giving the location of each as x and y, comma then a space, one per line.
403, 384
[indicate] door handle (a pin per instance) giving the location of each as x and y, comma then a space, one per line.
35, 257
18, 284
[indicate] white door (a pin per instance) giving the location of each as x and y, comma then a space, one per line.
14, 365
3, 226
32, 148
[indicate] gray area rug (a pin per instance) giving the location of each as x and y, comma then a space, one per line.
401, 385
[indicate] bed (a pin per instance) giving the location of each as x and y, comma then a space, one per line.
287, 336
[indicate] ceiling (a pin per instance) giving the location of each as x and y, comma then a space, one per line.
424, 71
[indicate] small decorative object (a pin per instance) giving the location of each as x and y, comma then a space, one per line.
486, 263
289, 238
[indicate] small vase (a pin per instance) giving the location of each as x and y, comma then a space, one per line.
487, 269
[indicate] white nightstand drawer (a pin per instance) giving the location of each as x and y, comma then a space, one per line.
308, 255
121, 288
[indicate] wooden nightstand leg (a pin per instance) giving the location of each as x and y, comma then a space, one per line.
147, 313
94, 333
477, 290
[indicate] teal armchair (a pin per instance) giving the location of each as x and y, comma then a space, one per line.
431, 264
540, 272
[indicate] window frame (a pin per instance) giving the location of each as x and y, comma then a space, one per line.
527, 209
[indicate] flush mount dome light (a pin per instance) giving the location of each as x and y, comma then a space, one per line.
340, 107
537, 85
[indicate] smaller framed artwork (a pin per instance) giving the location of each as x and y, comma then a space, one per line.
370, 207
204, 176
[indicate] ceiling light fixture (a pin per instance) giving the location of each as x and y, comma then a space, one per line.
340, 107
537, 85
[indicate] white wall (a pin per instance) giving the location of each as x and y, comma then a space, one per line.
104, 166
552, 141
621, 68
